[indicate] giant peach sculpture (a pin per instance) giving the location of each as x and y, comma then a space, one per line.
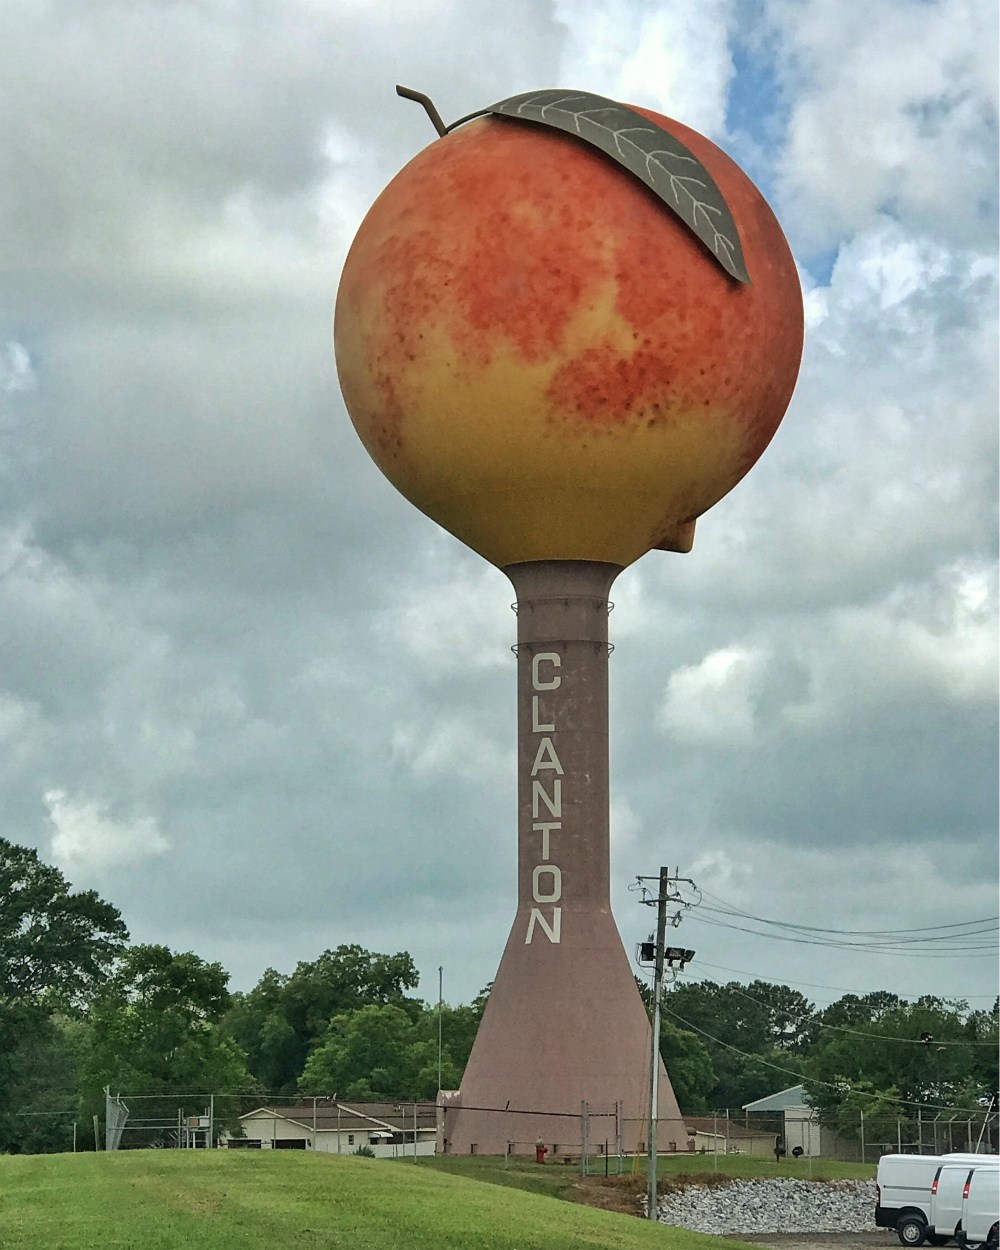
564, 331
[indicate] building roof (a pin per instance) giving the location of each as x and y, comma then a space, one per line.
719, 1124
396, 1117
792, 1099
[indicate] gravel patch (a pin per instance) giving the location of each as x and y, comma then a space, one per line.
779, 1205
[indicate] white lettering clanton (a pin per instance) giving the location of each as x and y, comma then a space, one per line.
546, 877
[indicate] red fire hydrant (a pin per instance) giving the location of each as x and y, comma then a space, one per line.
541, 1150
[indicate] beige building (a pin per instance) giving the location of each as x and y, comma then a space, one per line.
390, 1129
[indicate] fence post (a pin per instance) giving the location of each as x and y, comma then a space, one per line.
862, 1114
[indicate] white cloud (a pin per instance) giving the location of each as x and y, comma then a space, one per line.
883, 470
449, 746
714, 702
888, 100
455, 621
16, 370
86, 838
672, 58
626, 825
733, 875
916, 646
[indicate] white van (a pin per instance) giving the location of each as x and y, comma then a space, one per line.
981, 1209
949, 1193
903, 1199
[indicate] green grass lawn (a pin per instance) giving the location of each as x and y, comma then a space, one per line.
764, 1165
165, 1200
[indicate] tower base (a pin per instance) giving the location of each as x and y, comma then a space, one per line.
565, 1029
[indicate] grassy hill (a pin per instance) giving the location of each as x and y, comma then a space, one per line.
164, 1200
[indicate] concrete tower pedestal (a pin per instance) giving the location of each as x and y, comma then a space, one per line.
564, 1022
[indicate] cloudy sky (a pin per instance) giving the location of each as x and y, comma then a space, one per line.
265, 707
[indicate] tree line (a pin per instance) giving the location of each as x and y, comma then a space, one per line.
892, 1059
82, 1008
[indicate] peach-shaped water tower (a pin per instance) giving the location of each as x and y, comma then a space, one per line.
564, 331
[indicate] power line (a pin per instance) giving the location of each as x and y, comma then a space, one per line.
957, 937
838, 1085
986, 949
970, 929
732, 909
815, 985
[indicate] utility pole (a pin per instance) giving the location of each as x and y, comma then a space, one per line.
440, 1008
659, 953
654, 1075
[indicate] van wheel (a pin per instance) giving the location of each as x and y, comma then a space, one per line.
911, 1230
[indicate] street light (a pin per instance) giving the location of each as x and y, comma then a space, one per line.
671, 954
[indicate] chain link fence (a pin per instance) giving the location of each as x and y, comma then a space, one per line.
851, 1137
599, 1139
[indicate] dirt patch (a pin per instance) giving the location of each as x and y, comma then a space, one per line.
624, 1193
610, 1193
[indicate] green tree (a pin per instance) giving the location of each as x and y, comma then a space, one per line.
378, 1052
43, 1075
753, 1018
52, 939
789, 1014
855, 1012
56, 946
689, 1066
257, 1023
982, 1030
932, 1052
281, 1019
751, 1034
459, 1026
156, 1031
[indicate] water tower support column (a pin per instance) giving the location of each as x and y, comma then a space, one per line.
564, 1022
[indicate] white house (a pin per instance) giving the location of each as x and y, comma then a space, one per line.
390, 1129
